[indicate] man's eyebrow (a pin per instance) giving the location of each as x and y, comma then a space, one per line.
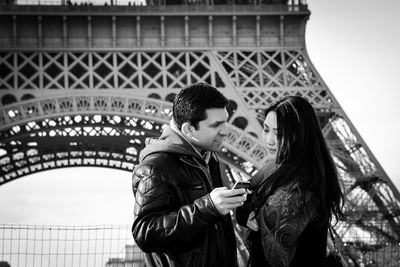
217, 122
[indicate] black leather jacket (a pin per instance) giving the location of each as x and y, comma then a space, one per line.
176, 223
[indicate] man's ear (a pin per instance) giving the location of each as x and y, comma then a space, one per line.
187, 129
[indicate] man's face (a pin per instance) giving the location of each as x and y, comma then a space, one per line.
211, 132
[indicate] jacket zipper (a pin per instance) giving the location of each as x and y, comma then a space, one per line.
208, 177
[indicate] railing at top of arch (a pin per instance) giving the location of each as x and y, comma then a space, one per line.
156, 5
239, 142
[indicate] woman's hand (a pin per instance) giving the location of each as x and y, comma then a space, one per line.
252, 222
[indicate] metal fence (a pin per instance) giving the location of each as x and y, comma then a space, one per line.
53, 246
113, 246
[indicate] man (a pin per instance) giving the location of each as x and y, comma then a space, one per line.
182, 209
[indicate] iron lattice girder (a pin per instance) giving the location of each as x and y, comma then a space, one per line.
368, 196
105, 70
259, 76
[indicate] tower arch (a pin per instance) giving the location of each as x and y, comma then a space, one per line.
95, 130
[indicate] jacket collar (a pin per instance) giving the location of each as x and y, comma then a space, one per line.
171, 141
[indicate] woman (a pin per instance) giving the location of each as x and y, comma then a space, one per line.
295, 194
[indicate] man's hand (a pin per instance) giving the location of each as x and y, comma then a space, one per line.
227, 199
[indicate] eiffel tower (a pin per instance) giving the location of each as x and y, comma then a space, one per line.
85, 84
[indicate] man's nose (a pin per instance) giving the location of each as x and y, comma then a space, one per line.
224, 130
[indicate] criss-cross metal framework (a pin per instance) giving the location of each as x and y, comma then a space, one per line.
85, 85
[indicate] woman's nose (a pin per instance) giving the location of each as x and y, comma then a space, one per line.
271, 139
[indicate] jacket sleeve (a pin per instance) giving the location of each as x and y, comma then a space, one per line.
157, 225
281, 221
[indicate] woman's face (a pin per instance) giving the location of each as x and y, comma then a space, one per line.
270, 134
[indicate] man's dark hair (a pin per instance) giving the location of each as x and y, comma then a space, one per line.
191, 103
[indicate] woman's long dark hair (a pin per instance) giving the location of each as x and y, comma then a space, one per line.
302, 154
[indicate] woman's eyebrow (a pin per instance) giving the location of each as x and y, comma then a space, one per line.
275, 129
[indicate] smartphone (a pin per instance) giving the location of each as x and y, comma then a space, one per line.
241, 184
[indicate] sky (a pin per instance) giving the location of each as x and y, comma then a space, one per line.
354, 44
